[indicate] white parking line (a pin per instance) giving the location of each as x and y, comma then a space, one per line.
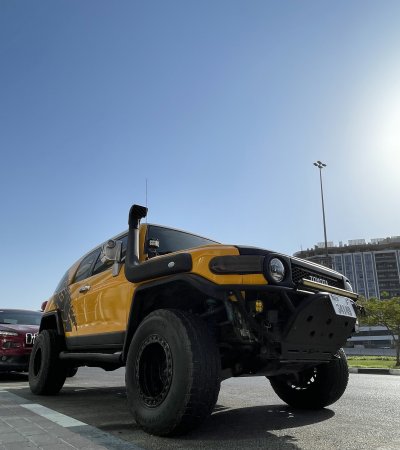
54, 416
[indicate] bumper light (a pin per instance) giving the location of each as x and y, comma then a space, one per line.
259, 306
348, 286
9, 344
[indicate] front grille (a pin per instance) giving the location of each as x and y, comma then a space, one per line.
298, 273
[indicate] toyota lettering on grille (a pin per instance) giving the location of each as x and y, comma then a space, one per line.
318, 280
30, 338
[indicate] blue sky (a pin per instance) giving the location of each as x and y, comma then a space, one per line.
222, 106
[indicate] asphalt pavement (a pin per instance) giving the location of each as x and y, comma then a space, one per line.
91, 413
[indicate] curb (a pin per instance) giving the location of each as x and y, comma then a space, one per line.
370, 371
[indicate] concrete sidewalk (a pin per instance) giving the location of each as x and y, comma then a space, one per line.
26, 425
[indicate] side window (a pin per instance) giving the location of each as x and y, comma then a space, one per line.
101, 266
124, 240
85, 266
63, 283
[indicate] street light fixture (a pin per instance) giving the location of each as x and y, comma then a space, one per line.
320, 166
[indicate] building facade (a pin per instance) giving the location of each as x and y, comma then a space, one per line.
372, 337
372, 268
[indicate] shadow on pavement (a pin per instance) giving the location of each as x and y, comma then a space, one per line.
256, 420
9, 377
249, 427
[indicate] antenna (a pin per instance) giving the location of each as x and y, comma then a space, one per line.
146, 199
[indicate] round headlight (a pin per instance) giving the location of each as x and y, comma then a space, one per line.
277, 270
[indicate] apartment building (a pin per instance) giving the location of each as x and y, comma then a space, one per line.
372, 267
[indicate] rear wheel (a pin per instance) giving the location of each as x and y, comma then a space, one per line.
314, 388
46, 372
172, 373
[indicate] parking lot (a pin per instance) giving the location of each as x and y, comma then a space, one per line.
248, 415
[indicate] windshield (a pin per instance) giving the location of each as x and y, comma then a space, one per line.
20, 317
173, 240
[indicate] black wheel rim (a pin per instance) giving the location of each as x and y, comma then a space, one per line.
154, 370
303, 380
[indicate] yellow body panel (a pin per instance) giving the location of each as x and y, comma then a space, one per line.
105, 306
201, 259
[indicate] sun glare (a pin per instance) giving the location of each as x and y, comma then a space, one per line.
383, 124
389, 134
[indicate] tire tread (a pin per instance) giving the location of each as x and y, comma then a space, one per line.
51, 376
331, 382
203, 382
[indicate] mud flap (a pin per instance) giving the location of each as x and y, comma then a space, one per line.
316, 330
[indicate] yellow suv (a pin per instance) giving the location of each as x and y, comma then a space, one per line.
182, 312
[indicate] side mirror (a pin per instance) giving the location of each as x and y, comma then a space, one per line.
112, 251
152, 246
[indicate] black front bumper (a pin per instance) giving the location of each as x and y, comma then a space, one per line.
309, 328
19, 363
315, 330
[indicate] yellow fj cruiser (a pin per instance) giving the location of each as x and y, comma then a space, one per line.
182, 312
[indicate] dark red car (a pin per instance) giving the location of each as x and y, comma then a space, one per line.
18, 330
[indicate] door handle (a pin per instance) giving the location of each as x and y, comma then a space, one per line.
84, 288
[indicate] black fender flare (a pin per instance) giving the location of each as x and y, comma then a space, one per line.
197, 284
52, 320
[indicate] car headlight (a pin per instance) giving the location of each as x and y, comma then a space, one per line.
277, 270
8, 333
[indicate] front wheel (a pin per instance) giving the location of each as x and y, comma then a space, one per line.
46, 372
316, 387
172, 373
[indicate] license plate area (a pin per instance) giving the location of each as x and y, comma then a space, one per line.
343, 306
320, 326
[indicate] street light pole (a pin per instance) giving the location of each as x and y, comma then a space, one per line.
320, 166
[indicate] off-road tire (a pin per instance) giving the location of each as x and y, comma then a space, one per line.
172, 373
314, 388
46, 372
